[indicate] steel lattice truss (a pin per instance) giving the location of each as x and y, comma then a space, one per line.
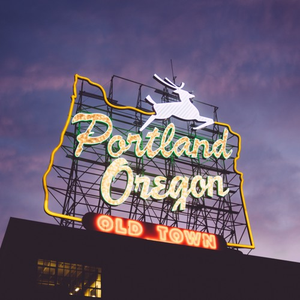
75, 190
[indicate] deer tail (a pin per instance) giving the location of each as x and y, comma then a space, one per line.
149, 99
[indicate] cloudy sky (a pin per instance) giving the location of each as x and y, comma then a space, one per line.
240, 55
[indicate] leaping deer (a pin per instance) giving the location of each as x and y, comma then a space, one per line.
184, 109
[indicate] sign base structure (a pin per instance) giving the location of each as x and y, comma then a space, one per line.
142, 163
62, 263
153, 232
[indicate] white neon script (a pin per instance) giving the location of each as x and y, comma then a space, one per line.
180, 187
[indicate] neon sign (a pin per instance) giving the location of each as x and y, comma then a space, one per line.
152, 145
153, 232
184, 109
180, 187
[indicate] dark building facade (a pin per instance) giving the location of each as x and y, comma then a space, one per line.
43, 261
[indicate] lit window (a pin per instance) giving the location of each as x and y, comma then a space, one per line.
74, 279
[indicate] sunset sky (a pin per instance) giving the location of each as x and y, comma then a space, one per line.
240, 55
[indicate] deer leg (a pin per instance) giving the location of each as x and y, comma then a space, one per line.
147, 122
207, 121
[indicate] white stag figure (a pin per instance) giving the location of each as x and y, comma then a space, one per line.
184, 109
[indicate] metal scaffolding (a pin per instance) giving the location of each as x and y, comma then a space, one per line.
75, 190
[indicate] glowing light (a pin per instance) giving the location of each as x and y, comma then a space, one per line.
105, 223
185, 143
122, 146
181, 190
85, 138
178, 190
143, 181
209, 241
181, 146
159, 183
162, 231
119, 226
219, 146
116, 225
184, 146
148, 231
117, 166
176, 235
134, 228
193, 238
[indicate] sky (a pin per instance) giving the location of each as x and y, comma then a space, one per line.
240, 55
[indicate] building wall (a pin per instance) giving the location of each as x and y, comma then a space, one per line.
139, 269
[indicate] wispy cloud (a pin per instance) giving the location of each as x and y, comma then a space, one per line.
243, 56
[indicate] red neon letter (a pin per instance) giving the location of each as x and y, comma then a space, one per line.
176, 235
193, 238
162, 230
134, 228
119, 227
209, 241
105, 223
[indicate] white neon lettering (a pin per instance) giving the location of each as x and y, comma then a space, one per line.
182, 146
152, 135
122, 146
85, 138
180, 186
166, 139
178, 190
145, 182
185, 142
118, 225
159, 186
219, 146
116, 167
181, 190
202, 185
136, 138
163, 233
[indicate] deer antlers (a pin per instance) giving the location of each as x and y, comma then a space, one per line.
168, 82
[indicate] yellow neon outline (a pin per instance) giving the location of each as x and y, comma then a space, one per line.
252, 246
73, 98
105, 97
46, 199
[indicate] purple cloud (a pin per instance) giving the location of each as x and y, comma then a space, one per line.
242, 56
